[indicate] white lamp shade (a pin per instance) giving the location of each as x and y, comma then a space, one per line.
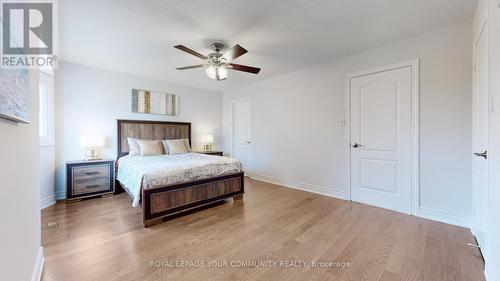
213, 71
222, 73
207, 139
92, 141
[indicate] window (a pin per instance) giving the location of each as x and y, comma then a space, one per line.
46, 108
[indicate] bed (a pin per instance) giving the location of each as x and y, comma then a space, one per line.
170, 184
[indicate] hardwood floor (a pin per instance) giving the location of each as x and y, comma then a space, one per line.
103, 239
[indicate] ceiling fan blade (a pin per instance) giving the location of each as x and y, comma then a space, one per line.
244, 68
190, 67
189, 51
234, 52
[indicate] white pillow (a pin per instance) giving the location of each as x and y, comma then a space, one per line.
176, 146
133, 147
165, 147
186, 144
150, 147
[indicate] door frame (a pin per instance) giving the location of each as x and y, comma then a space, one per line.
415, 126
233, 146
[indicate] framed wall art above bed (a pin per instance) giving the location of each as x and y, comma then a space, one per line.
151, 102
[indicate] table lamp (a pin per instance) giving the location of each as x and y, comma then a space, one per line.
93, 145
208, 141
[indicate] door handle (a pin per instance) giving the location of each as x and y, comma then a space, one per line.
482, 154
356, 145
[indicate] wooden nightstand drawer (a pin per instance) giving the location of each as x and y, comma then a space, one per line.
90, 185
90, 172
89, 178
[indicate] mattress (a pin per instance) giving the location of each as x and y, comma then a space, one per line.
138, 172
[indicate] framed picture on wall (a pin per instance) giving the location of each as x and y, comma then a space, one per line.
14, 95
150, 102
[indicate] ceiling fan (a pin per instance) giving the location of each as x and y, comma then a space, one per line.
217, 64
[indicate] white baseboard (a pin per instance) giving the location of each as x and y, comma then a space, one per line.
60, 195
48, 201
38, 267
445, 217
331, 192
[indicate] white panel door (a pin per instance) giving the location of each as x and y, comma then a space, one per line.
381, 139
242, 131
480, 141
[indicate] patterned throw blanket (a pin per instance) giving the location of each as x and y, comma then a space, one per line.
136, 172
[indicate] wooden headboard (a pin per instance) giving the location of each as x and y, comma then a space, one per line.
152, 130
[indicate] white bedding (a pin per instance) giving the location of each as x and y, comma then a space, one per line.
136, 172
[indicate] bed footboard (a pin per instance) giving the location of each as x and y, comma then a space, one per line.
162, 202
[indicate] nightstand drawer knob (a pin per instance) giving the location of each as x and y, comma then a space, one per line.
93, 186
92, 173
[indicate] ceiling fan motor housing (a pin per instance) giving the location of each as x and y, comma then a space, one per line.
217, 46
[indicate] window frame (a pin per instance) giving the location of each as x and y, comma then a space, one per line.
47, 76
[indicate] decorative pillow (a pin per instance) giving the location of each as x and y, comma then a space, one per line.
186, 144
165, 147
176, 146
150, 147
133, 147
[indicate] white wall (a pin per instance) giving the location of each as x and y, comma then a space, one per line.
47, 176
298, 139
20, 207
489, 10
90, 100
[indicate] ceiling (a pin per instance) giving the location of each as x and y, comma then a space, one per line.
281, 36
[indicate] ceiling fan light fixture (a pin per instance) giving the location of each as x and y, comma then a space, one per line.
210, 72
222, 72
216, 63
216, 72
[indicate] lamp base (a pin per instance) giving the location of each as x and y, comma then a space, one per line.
207, 147
93, 154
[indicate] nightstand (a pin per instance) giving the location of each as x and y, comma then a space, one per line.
213, 152
90, 178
